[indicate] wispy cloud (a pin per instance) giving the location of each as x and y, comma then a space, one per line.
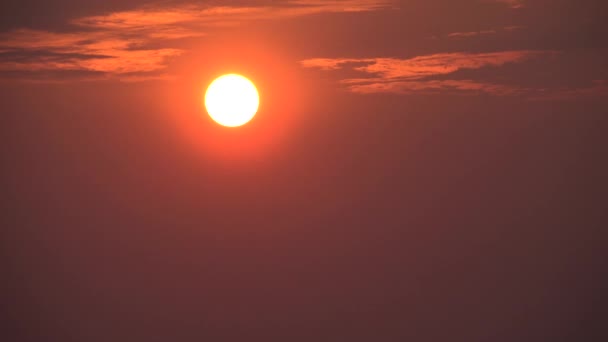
511, 3
392, 69
121, 44
441, 64
438, 74
418, 74
187, 18
470, 34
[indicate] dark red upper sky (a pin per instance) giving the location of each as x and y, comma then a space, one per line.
423, 170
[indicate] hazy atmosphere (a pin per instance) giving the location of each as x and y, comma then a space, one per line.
422, 170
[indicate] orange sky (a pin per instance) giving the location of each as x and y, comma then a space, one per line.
420, 170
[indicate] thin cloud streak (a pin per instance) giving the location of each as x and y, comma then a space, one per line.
597, 89
433, 87
471, 34
511, 3
493, 31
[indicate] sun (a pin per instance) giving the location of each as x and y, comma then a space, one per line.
232, 100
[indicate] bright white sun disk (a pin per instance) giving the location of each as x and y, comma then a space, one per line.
232, 100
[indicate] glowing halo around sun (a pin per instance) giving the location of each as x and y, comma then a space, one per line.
232, 100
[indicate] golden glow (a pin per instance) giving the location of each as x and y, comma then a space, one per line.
232, 100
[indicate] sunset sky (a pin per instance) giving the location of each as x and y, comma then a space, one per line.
421, 170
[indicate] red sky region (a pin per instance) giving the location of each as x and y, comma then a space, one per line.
418, 170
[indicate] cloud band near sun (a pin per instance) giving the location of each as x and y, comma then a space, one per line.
138, 44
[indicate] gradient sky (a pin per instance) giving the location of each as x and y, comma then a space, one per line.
422, 170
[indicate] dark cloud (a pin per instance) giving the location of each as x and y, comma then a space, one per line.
36, 56
51, 76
